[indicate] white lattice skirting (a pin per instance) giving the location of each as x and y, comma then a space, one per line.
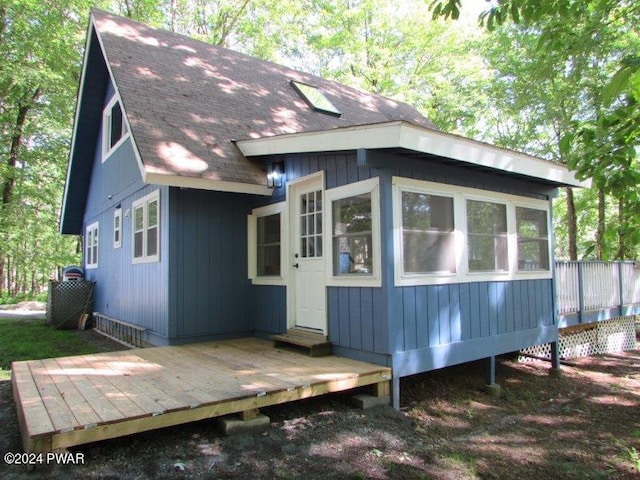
609, 336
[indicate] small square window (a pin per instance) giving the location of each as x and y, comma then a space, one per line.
266, 245
117, 228
428, 236
533, 239
352, 235
487, 236
91, 246
146, 229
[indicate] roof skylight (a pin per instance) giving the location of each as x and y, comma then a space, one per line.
315, 98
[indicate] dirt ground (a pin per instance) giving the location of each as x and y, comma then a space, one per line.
582, 425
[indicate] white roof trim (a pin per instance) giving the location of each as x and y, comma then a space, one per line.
401, 134
206, 184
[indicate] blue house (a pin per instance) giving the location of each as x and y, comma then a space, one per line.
223, 196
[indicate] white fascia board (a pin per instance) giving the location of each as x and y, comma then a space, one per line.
206, 184
400, 134
477, 153
381, 135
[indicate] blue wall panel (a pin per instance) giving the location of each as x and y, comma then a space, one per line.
133, 293
436, 315
269, 309
356, 318
209, 289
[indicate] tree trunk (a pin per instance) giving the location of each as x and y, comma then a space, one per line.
1, 274
622, 230
572, 225
599, 250
16, 142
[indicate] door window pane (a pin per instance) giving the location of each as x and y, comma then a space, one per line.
311, 224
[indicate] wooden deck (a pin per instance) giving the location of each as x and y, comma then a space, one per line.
69, 401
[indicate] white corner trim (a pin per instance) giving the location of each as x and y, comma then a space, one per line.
399, 134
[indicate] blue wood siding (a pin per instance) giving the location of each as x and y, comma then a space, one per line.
340, 169
269, 309
134, 293
209, 289
435, 315
357, 318
118, 176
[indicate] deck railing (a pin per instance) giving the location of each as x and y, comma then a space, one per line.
588, 286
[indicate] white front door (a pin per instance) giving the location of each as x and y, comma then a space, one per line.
307, 289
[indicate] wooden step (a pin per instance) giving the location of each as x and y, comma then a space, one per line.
317, 344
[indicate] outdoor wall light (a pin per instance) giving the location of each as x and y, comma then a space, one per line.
275, 172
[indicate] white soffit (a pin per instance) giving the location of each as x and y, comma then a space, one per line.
206, 184
411, 137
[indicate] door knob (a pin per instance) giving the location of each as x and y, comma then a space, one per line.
296, 265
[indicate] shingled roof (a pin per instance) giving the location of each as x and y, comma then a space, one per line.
199, 115
186, 101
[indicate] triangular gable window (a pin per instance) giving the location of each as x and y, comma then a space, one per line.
114, 127
315, 98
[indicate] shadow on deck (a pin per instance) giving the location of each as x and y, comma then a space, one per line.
69, 401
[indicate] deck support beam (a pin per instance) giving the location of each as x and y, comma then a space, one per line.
491, 387
395, 392
555, 360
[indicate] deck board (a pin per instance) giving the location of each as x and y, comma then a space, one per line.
69, 401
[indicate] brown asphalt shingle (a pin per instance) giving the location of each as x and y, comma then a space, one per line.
187, 100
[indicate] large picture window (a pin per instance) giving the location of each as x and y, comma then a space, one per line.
114, 127
487, 236
91, 247
454, 234
354, 237
427, 233
266, 244
146, 229
533, 239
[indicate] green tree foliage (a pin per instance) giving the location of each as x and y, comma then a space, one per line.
559, 79
580, 77
39, 44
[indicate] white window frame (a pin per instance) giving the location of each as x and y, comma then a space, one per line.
509, 210
92, 233
371, 186
460, 196
107, 149
549, 235
117, 228
252, 244
144, 204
